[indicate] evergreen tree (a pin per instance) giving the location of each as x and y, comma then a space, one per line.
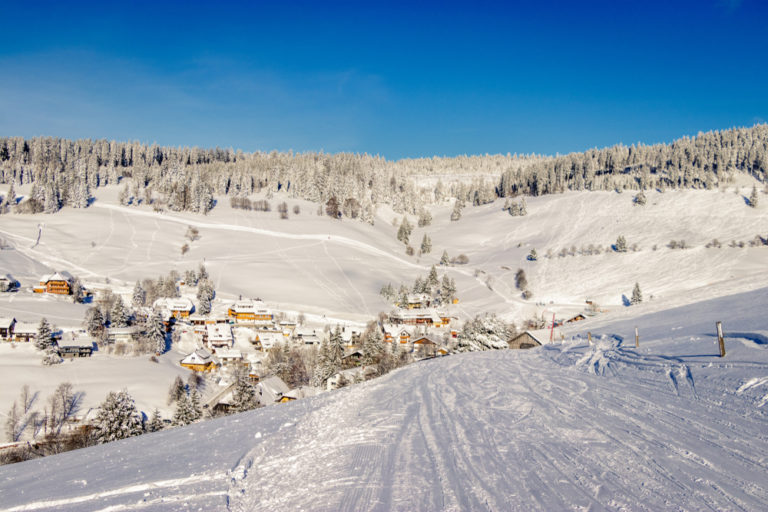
125, 196
244, 397
139, 296
188, 409
448, 289
202, 273
404, 233
93, 322
426, 245
432, 280
155, 423
329, 360
117, 418
11, 199
117, 315
621, 244
373, 346
44, 335
78, 292
523, 207
155, 332
425, 218
205, 294
637, 296
753, 197
514, 209
533, 255
177, 390
444, 260
457, 207
640, 198
418, 286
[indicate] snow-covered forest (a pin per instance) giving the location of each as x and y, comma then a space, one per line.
65, 172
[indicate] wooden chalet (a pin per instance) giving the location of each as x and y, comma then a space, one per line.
417, 301
218, 336
419, 317
207, 319
123, 334
425, 346
271, 390
396, 333
250, 311
74, 344
200, 361
577, 318
23, 331
58, 283
6, 328
527, 339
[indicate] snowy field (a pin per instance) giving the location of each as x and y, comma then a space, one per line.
330, 269
573, 426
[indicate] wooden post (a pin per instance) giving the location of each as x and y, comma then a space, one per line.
552, 332
589, 337
720, 339
637, 338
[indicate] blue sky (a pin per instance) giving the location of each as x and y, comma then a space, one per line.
402, 80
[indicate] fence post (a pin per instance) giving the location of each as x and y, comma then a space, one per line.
637, 338
720, 339
589, 337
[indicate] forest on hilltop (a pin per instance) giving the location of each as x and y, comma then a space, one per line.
64, 172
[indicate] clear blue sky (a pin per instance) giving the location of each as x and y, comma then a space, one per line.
403, 80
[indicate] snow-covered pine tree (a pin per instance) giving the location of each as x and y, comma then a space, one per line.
426, 245
11, 197
44, 334
177, 390
404, 232
418, 285
117, 418
139, 296
448, 289
457, 207
125, 196
514, 209
753, 197
93, 321
117, 316
425, 218
640, 198
154, 330
373, 346
523, 207
533, 255
155, 423
432, 280
621, 244
202, 273
637, 296
78, 292
184, 413
444, 259
486, 332
244, 397
329, 360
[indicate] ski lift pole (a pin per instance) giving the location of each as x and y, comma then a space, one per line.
552, 331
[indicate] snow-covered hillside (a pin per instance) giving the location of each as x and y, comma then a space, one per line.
568, 426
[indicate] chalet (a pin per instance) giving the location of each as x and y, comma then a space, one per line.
419, 317
123, 334
75, 344
298, 393
200, 361
218, 336
219, 400
343, 378
6, 328
425, 346
352, 358
24, 331
417, 301
250, 311
207, 319
577, 318
350, 336
527, 339
306, 336
59, 283
396, 333
230, 358
179, 307
269, 340
271, 390
7, 283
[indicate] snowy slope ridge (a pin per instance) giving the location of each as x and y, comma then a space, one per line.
571, 426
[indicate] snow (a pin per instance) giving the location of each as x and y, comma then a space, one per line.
565, 426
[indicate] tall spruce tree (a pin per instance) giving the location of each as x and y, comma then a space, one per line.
637, 296
117, 418
44, 335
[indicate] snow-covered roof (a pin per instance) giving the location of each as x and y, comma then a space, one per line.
228, 353
218, 333
25, 328
124, 331
6, 323
425, 340
270, 339
56, 276
271, 389
414, 298
75, 340
250, 306
200, 356
174, 303
302, 392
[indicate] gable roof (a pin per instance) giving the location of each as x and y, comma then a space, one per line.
200, 356
5, 323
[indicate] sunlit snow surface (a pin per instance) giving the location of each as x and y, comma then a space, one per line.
567, 426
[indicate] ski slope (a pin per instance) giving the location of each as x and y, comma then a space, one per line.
571, 426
